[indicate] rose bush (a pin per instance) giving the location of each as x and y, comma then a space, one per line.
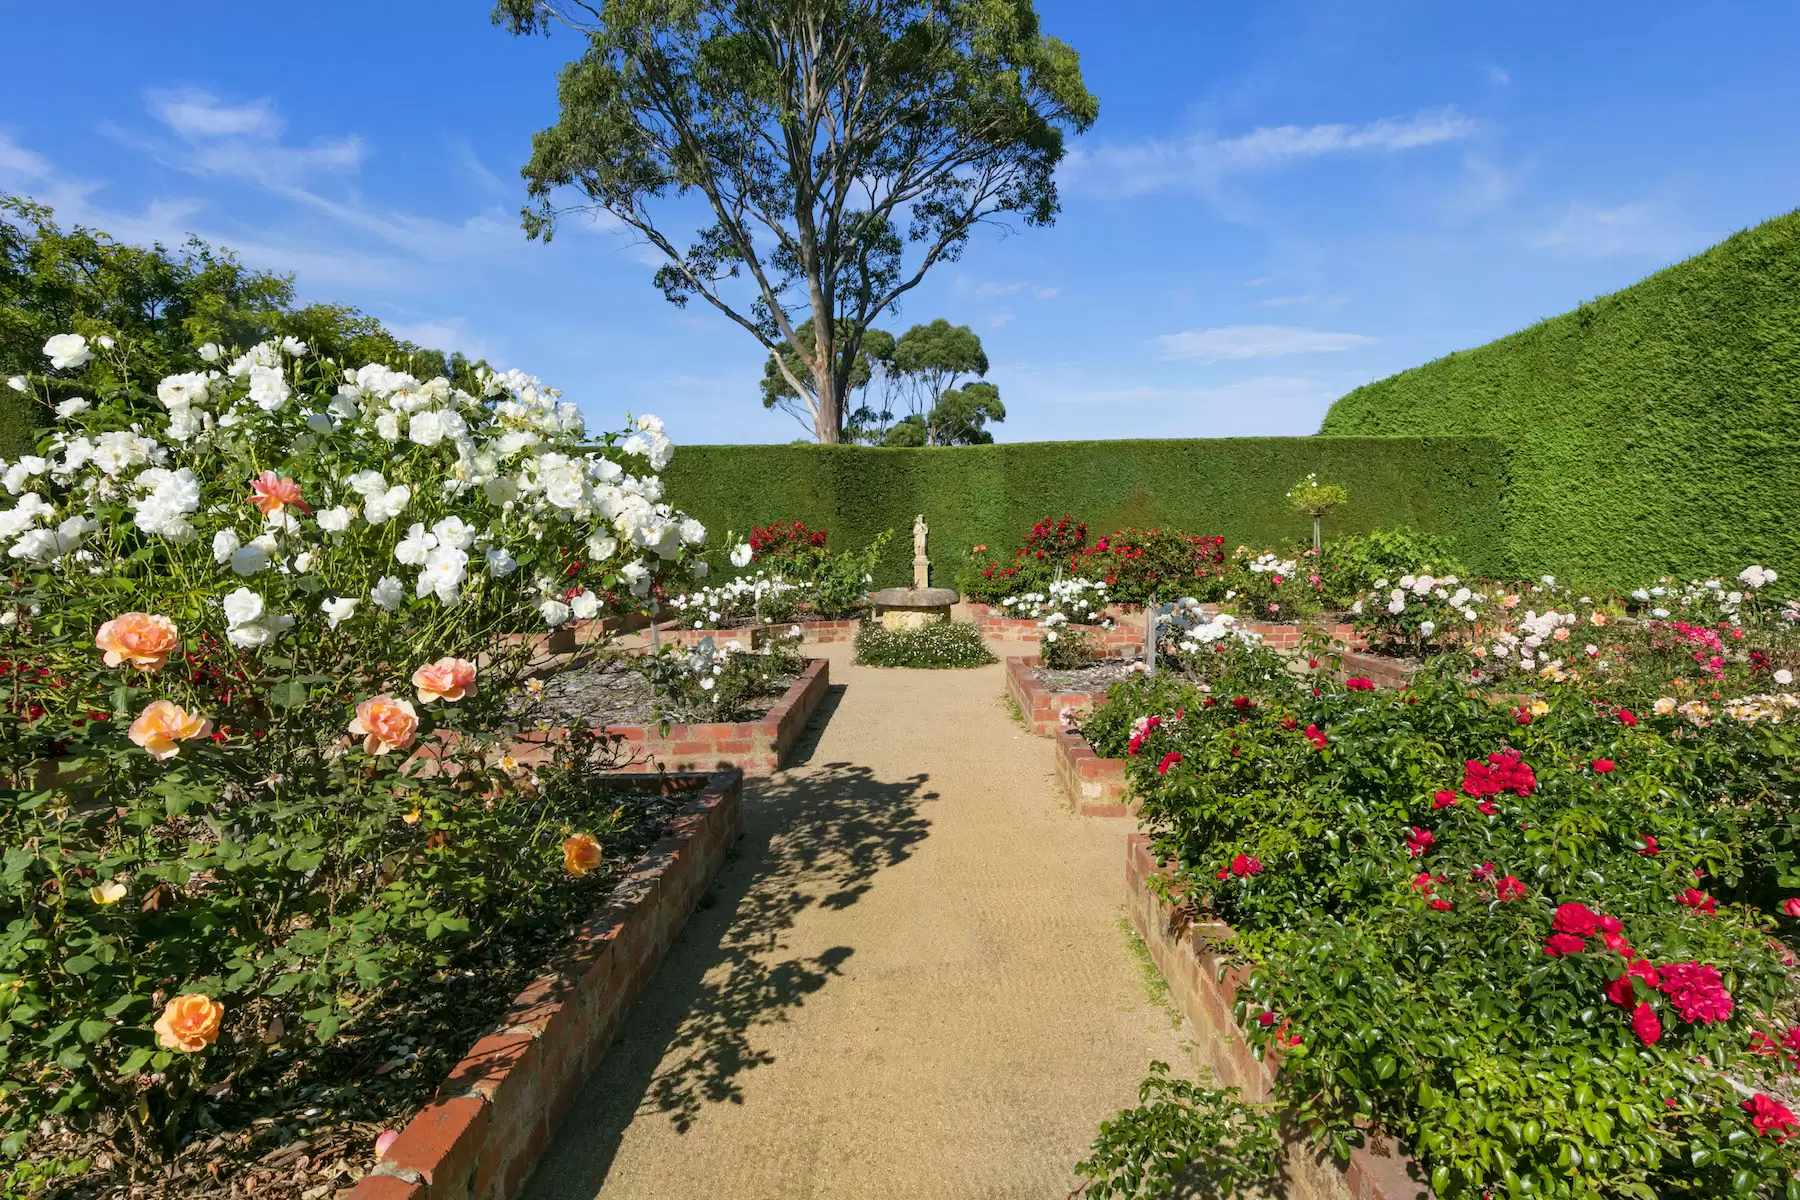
1536, 950
264, 631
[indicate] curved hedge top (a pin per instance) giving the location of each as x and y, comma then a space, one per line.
1653, 430
991, 495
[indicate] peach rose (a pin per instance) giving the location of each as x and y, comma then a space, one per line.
141, 639
189, 1024
269, 492
581, 854
385, 724
164, 725
448, 679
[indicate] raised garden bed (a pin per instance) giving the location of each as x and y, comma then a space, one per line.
1205, 989
1116, 642
501, 1105
755, 746
1096, 786
812, 633
1042, 695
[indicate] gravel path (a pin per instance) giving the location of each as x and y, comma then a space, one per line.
912, 982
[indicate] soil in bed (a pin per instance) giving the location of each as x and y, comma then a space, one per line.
612, 692
303, 1126
1097, 676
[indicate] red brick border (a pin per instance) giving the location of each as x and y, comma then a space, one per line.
1205, 990
754, 747
1095, 786
812, 633
1382, 671
503, 1102
1040, 706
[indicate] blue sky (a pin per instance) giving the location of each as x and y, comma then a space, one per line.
1280, 201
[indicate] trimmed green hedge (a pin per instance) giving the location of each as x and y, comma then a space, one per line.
992, 494
1653, 430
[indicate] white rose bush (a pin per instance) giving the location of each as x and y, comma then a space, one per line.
263, 633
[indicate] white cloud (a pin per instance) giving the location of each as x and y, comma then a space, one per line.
1202, 158
449, 334
1587, 232
988, 290
999, 320
19, 165
195, 114
1232, 342
1046, 293
1499, 75
1267, 405
1259, 282
1283, 301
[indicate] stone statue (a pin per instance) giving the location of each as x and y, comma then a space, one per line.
921, 564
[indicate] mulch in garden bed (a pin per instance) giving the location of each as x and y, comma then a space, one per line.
303, 1126
613, 691
1098, 676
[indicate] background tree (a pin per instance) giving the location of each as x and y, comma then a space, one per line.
163, 305
957, 419
928, 361
874, 360
827, 136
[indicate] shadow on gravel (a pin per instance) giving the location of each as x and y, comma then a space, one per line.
818, 839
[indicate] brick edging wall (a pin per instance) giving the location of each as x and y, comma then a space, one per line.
502, 1104
1382, 671
812, 633
1095, 786
1206, 991
1042, 707
754, 747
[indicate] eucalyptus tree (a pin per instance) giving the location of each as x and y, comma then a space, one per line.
843, 148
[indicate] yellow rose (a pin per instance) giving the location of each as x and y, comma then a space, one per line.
110, 892
581, 854
189, 1023
164, 725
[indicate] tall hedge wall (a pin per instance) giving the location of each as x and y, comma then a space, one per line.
1653, 430
992, 494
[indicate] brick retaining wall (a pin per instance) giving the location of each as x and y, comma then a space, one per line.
812, 633
502, 1104
755, 747
1038, 703
1206, 991
1095, 786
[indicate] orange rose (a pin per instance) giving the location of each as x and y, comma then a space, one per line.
269, 492
581, 854
189, 1024
141, 639
385, 724
448, 679
164, 725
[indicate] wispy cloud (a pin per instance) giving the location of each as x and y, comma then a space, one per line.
992, 289
1232, 342
1499, 75
1259, 282
1283, 301
1630, 229
1202, 158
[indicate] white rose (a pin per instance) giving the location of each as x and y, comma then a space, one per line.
72, 407
67, 350
444, 571
211, 352
554, 612
380, 506
388, 426
248, 560
585, 605
17, 383
1427, 628
334, 520
268, 388
500, 564
1784, 677
453, 531
602, 547
19, 473
337, 610
388, 593
693, 532
425, 429
305, 561
225, 543
500, 491
243, 606
638, 576
741, 555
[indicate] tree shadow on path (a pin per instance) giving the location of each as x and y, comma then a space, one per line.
814, 838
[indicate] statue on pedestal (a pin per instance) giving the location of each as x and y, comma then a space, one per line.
921, 564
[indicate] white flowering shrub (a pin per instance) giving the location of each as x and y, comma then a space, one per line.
1061, 611
759, 599
715, 680
1420, 612
262, 633
1268, 587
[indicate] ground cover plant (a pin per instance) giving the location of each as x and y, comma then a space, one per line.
1531, 938
942, 644
265, 628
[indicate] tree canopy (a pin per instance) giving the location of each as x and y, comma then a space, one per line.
928, 361
843, 148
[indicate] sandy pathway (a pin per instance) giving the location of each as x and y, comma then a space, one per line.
912, 981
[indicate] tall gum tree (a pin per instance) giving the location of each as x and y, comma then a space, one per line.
844, 147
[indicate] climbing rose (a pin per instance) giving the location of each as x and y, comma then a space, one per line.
1419, 842
1488, 807
385, 724
1645, 1024
1603, 765
1443, 800
1168, 760
1650, 847
581, 854
141, 639
448, 679
1577, 919
1502, 772
1559, 944
189, 1023
1442, 905
1616, 942
1245, 864
1620, 991
1509, 888
1360, 683
1697, 900
164, 725
1770, 1117
1697, 992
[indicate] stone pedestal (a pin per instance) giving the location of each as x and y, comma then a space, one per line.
913, 608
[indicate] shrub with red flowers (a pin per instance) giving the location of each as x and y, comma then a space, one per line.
1137, 564
788, 546
1509, 1036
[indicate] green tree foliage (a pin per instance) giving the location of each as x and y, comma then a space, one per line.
843, 147
162, 304
874, 355
1649, 431
927, 362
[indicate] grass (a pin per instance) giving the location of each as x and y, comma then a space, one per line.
1156, 988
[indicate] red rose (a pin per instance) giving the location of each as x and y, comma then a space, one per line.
1770, 1117
1419, 842
1697, 900
1650, 847
1791, 906
1488, 807
1645, 1024
1603, 765
1509, 888
1627, 717
1317, 737
1359, 683
1616, 943
1559, 944
1245, 864
1620, 990
1443, 800
1288, 722
1441, 905
1697, 992
1169, 760
1577, 919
